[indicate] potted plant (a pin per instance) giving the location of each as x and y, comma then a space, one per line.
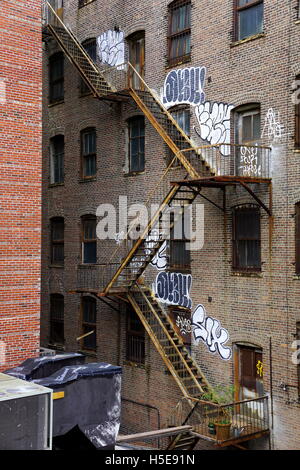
220, 425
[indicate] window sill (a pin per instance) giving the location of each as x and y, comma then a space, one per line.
87, 353
59, 266
87, 265
296, 277
178, 62
87, 180
53, 185
134, 364
134, 173
50, 105
255, 275
297, 21
250, 38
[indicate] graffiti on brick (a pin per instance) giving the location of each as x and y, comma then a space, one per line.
184, 325
214, 124
209, 330
111, 48
273, 130
250, 161
173, 289
184, 86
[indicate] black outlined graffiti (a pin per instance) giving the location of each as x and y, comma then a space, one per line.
111, 48
184, 86
173, 289
208, 330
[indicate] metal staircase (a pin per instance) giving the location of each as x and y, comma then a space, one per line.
175, 355
184, 441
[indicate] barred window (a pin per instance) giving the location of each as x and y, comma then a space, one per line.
179, 35
135, 338
89, 314
57, 151
56, 319
57, 241
88, 153
56, 77
246, 241
248, 18
136, 130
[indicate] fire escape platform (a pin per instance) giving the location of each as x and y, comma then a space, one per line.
232, 441
221, 182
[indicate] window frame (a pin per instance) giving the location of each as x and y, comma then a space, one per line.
54, 156
85, 299
58, 56
57, 319
173, 61
185, 255
297, 119
56, 242
237, 10
84, 89
84, 241
236, 267
83, 156
135, 334
141, 155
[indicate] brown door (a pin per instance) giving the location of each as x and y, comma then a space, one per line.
137, 59
250, 373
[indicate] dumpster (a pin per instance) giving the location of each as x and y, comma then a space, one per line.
44, 366
86, 400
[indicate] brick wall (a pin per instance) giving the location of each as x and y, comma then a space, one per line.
20, 170
261, 310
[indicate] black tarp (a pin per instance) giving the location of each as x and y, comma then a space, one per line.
44, 366
91, 401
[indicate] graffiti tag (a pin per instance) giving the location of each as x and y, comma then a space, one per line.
208, 330
249, 159
184, 324
173, 289
111, 48
184, 86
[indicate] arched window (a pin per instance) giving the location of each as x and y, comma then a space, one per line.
179, 33
57, 151
57, 241
246, 238
89, 314
56, 77
56, 319
89, 239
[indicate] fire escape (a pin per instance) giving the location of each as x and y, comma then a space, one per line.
205, 167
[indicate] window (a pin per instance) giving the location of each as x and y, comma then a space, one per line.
89, 312
297, 116
57, 319
297, 337
297, 238
57, 241
248, 18
179, 255
136, 44
246, 238
56, 75
88, 153
248, 125
179, 37
90, 48
135, 338
249, 157
136, 130
182, 116
89, 240
57, 150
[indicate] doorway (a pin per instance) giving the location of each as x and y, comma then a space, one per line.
137, 59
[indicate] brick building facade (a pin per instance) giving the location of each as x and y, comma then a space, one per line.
21, 164
233, 89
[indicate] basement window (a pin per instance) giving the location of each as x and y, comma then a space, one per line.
246, 241
179, 34
248, 18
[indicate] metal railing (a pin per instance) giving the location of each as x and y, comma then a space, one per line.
253, 160
94, 277
224, 422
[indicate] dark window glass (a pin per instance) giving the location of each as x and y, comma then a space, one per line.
89, 312
179, 38
136, 128
57, 319
182, 116
297, 119
88, 153
246, 238
249, 18
180, 256
56, 72
135, 338
57, 241
297, 238
89, 240
57, 151
90, 48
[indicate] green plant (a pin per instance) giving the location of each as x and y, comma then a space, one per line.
220, 395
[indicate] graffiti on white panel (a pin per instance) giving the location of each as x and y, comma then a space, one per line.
111, 48
209, 330
184, 325
214, 124
184, 86
273, 130
250, 161
173, 289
